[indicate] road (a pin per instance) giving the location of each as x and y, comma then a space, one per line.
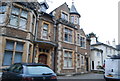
83, 77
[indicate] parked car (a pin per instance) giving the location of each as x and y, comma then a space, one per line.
28, 72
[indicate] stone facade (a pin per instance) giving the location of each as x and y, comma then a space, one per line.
29, 34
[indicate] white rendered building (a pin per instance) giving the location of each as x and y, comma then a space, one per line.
100, 51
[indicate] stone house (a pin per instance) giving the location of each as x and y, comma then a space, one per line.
29, 34
17, 32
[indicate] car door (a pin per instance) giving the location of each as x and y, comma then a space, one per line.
7, 74
16, 72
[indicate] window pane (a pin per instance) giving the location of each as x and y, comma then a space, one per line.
70, 38
65, 62
14, 20
70, 63
24, 14
45, 26
19, 46
23, 23
15, 11
18, 57
66, 37
65, 54
7, 58
44, 33
2, 18
72, 19
10, 45
2, 8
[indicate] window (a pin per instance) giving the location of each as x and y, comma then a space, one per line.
76, 20
2, 14
64, 16
82, 41
82, 60
18, 18
78, 61
78, 39
44, 50
67, 59
13, 49
98, 54
33, 24
68, 35
38, 70
72, 19
45, 31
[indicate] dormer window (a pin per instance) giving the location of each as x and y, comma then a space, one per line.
64, 16
43, 8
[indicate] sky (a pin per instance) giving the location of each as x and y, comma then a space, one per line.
97, 16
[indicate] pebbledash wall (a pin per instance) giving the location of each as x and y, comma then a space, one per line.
29, 34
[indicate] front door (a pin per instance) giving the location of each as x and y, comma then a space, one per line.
42, 59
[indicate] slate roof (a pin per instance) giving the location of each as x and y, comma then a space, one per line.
73, 10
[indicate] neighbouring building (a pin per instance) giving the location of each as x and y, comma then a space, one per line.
17, 32
29, 34
100, 51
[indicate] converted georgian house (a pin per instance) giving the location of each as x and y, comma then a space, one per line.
29, 34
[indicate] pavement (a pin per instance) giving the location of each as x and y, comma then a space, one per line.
83, 76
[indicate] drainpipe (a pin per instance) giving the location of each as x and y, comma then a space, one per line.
55, 39
35, 38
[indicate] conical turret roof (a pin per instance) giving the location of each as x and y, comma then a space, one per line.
73, 10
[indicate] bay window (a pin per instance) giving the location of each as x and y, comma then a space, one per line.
18, 18
2, 14
13, 49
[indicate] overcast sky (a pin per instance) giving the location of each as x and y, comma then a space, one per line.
98, 16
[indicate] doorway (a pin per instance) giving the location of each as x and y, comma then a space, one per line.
42, 59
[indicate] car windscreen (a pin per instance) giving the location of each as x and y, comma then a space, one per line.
38, 70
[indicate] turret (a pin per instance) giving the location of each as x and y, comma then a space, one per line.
74, 15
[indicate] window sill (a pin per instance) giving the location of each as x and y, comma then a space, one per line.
68, 68
14, 27
45, 39
68, 42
